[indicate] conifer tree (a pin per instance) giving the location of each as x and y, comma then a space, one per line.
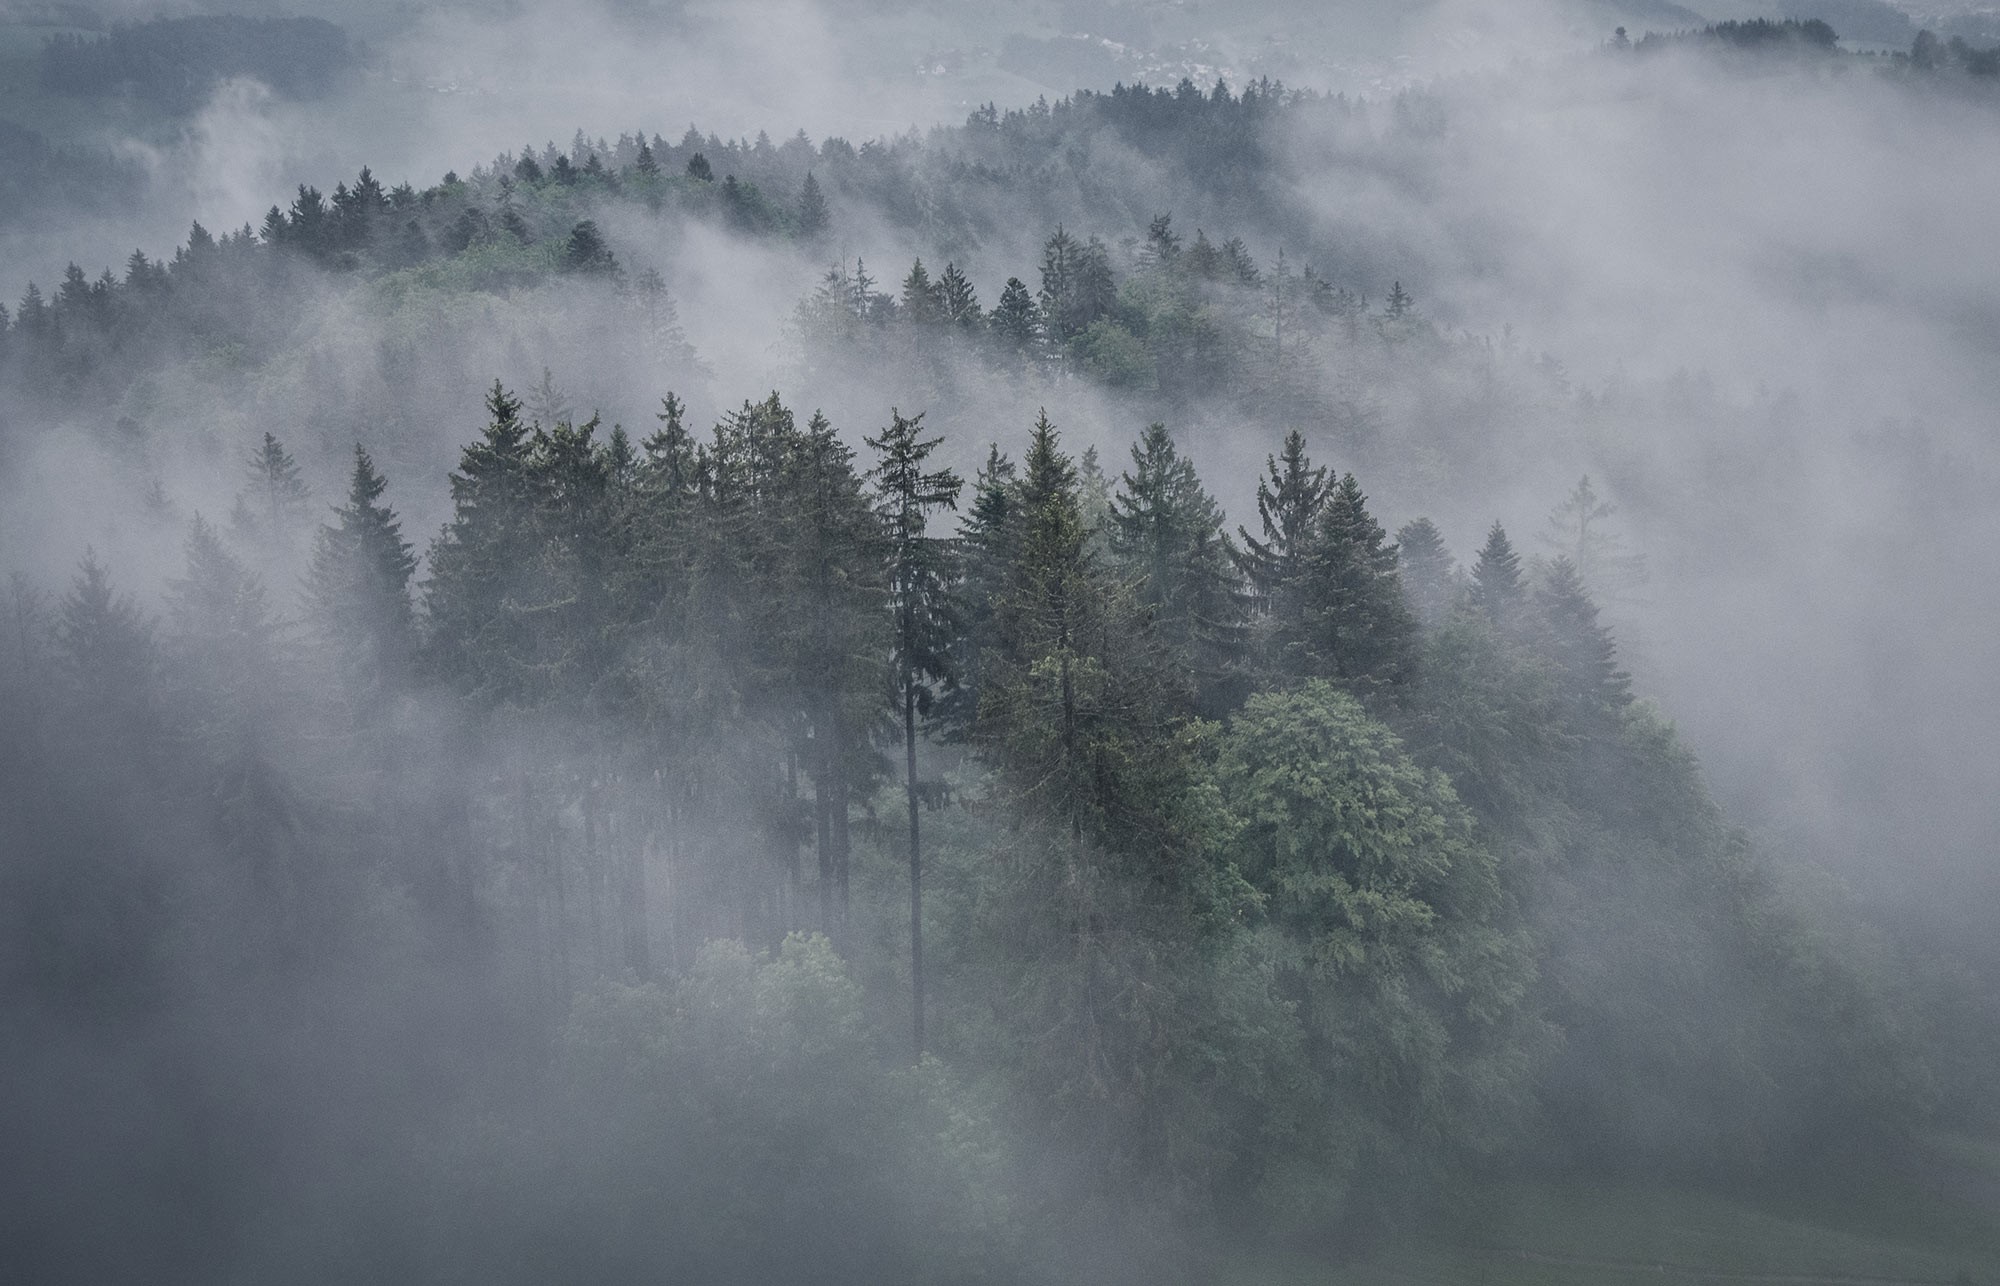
276, 500
921, 304
477, 561
1497, 589
988, 542
1430, 579
813, 214
1358, 629
1585, 658
1290, 498
1580, 530
957, 301
106, 648
1014, 319
921, 577
1166, 532
357, 592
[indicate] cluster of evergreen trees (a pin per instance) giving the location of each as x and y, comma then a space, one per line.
176, 62
1258, 874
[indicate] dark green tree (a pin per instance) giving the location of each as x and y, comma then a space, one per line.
813, 215
1497, 589
957, 301
1359, 631
1015, 320
1166, 532
922, 575
1291, 496
1430, 577
358, 590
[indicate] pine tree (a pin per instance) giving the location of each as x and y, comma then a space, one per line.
1163, 245
357, 593
274, 506
1430, 579
107, 650
1014, 319
921, 304
988, 542
1290, 499
1166, 532
835, 583
957, 302
813, 215
477, 560
1358, 629
1059, 301
921, 576
586, 251
1579, 529
1567, 631
1496, 581
699, 169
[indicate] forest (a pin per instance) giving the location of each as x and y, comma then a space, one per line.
1093, 752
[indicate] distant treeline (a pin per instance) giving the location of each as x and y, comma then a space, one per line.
175, 61
37, 175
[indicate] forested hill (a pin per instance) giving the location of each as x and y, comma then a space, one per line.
1034, 815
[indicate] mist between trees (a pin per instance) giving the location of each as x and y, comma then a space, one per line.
1271, 875
925, 840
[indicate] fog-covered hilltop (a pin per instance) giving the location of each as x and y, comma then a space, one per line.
1057, 697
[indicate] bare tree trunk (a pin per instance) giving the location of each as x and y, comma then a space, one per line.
916, 870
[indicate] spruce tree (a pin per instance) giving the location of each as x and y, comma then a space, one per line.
988, 541
957, 301
1359, 631
275, 502
106, 648
921, 577
1585, 658
1496, 581
813, 214
357, 592
1290, 498
921, 305
1430, 579
1166, 532
1014, 319
478, 560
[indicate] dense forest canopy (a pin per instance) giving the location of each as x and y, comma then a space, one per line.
1037, 700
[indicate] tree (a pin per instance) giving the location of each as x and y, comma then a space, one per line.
699, 169
1390, 941
1290, 498
921, 577
957, 302
357, 592
1015, 320
1166, 531
586, 251
477, 560
1496, 581
1567, 631
1579, 530
922, 305
1358, 628
1163, 244
278, 493
105, 644
813, 214
1430, 579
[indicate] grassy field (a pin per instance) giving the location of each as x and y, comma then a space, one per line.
1933, 1219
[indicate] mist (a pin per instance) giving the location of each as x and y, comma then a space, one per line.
493, 773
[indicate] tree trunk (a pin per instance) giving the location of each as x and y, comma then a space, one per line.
916, 869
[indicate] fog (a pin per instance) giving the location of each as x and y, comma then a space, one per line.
542, 1015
